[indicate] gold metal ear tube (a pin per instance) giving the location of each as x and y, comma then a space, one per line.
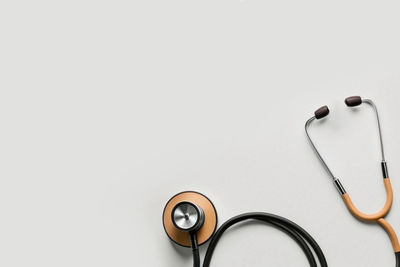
378, 217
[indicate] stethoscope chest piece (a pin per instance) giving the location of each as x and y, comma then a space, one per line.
189, 211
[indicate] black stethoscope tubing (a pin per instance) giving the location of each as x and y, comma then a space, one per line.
306, 242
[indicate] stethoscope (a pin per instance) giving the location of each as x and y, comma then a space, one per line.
378, 217
190, 218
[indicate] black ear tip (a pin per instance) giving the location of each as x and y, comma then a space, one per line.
353, 101
321, 112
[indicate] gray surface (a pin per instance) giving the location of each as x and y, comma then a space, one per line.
108, 108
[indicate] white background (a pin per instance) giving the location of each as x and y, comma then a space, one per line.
108, 108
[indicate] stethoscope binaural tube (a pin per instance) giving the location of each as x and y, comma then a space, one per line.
379, 216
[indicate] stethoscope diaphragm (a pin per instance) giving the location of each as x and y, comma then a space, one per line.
189, 211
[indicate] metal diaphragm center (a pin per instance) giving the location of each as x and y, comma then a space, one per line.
185, 216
